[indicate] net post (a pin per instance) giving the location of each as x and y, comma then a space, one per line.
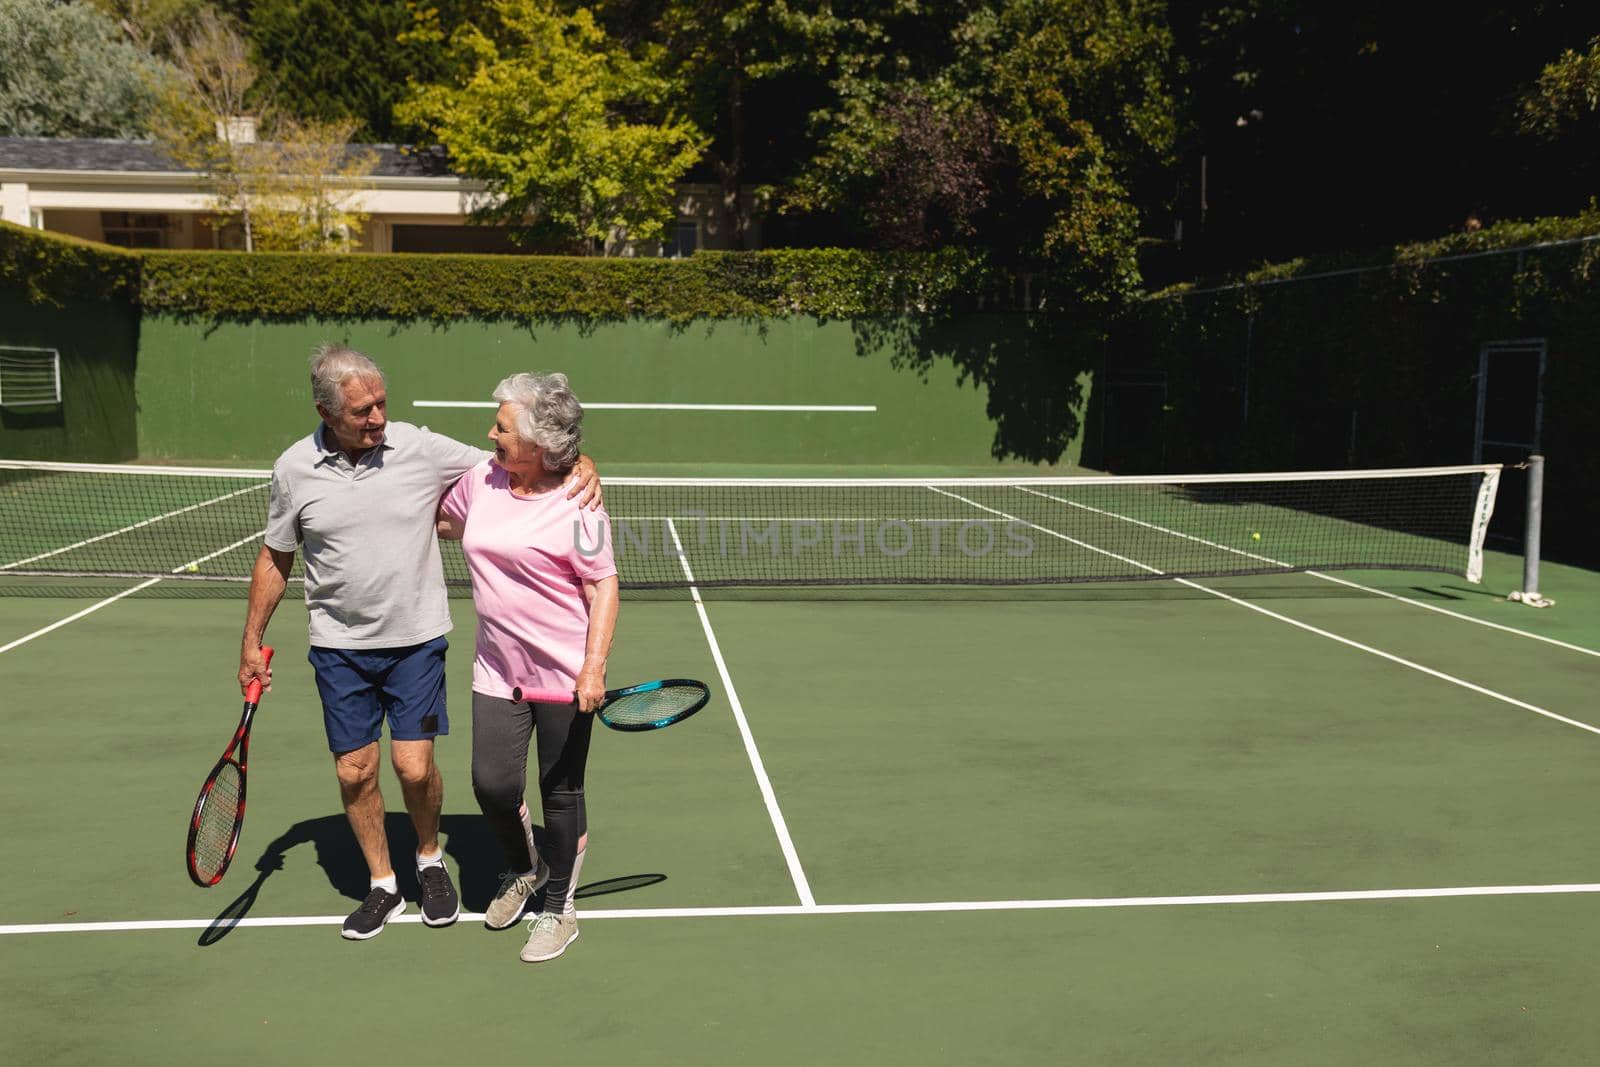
1529, 593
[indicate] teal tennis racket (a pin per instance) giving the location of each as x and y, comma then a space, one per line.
647, 706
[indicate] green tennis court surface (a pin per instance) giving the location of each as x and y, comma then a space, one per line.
1127, 823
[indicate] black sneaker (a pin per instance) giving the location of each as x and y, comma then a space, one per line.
440, 906
367, 920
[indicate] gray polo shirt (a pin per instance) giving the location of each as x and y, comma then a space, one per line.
373, 577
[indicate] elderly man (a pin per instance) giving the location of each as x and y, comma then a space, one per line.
361, 494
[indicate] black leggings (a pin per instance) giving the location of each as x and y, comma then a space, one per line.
500, 733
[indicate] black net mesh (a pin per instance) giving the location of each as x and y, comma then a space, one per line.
71, 530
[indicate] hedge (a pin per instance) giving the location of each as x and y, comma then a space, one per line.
827, 284
1503, 236
52, 268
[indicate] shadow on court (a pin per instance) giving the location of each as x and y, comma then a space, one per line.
476, 864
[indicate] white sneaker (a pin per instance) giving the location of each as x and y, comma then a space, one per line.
512, 896
548, 937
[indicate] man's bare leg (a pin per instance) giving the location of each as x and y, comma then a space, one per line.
363, 805
423, 788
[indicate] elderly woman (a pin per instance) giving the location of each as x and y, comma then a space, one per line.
547, 606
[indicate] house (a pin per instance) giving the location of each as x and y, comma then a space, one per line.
129, 193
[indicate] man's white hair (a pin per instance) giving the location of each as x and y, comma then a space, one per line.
333, 364
546, 414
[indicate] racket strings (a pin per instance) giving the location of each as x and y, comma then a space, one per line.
653, 706
214, 835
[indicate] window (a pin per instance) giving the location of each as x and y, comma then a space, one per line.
131, 230
29, 376
682, 240
480, 239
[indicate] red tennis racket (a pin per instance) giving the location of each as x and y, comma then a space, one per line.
219, 810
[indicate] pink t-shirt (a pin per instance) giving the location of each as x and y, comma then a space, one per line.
528, 556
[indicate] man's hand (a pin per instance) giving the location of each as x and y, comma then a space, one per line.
253, 665
268, 579
585, 480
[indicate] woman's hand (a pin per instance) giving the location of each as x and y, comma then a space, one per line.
591, 686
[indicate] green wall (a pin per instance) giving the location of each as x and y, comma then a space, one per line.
97, 340
232, 392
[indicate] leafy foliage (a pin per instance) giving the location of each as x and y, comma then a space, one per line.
827, 284
296, 190
153, 25
197, 119
1081, 98
566, 129
65, 71
916, 168
1567, 91
1033, 120
331, 60
732, 64
312, 198
52, 268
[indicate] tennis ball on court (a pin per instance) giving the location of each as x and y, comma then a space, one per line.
1255, 535
193, 568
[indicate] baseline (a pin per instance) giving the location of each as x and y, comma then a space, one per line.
911, 907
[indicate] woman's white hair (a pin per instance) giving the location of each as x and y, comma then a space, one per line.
332, 365
546, 414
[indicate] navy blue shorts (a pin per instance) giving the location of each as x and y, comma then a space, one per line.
361, 686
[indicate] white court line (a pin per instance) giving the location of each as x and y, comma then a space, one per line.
1315, 574
1391, 657
944, 907
74, 617
664, 407
1457, 615
801, 886
131, 528
127, 592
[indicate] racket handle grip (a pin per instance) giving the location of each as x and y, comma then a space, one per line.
543, 696
252, 693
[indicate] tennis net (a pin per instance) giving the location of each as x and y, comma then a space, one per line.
187, 525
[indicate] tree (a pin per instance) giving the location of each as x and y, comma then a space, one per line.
567, 130
336, 59
721, 55
1568, 91
152, 25
914, 168
1083, 105
291, 185
310, 203
200, 120
65, 71
1036, 121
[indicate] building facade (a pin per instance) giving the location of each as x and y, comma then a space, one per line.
129, 193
